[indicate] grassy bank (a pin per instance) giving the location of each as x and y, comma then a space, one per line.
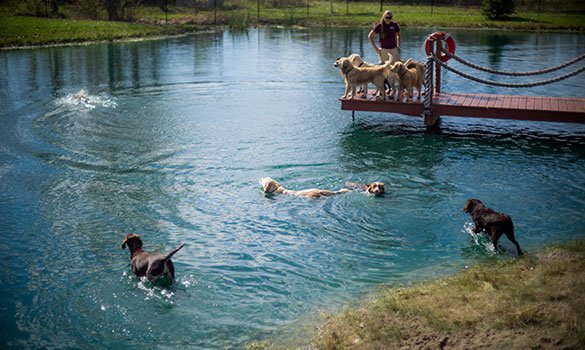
18, 30
536, 302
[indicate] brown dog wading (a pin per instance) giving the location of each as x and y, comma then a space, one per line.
495, 224
153, 265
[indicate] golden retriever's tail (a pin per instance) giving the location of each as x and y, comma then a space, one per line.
421, 69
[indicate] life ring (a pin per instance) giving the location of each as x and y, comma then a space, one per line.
447, 38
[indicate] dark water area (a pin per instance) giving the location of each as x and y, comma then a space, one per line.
168, 138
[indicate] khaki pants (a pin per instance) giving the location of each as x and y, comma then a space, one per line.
389, 54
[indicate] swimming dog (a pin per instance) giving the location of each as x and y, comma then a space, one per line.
152, 265
376, 188
270, 186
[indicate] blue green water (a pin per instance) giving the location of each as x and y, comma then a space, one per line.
170, 141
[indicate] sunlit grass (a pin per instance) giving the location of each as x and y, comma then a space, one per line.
152, 21
539, 295
17, 30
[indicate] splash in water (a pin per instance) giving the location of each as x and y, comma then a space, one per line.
82, 99
480, 239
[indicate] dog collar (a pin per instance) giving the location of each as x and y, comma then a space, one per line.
347, 71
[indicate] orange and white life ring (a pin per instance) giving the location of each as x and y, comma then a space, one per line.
447, 38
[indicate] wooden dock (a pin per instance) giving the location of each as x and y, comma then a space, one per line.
534, 108
476, 105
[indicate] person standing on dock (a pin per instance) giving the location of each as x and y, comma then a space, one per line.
389, 33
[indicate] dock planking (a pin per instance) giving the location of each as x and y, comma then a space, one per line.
532, 108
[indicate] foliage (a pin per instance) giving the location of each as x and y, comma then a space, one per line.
497, 9
90, 9
38, 8
124, 10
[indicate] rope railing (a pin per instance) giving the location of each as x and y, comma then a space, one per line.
535, 72
428, 87
510, 85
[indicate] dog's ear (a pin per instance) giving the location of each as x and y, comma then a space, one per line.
382, 187
131, 236
470, 203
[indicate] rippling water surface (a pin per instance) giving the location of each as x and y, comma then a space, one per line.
168, 139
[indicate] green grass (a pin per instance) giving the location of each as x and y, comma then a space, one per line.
23, 31
151, 21
533, 302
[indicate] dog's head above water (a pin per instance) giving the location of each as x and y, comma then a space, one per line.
376, 188
133, 241
269, 185
472, 203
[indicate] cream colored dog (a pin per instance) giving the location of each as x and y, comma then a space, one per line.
270, 186
376, 188
410, 74
358, 61
356, 76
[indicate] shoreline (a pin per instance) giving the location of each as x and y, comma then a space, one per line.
212, 29
533, 302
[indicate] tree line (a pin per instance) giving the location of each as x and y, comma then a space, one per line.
125, 10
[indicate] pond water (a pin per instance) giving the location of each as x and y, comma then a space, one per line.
168, 138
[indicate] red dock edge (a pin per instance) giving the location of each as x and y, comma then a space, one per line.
532, 108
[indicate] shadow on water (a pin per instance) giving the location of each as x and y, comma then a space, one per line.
530, 138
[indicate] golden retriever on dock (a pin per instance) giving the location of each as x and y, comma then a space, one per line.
357, 76
270, 186
390, 83
410, 74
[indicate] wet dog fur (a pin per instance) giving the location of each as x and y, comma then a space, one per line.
270, 186
494, 223
376, 188
155, 266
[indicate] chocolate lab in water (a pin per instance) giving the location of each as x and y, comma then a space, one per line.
494, 223
155, 266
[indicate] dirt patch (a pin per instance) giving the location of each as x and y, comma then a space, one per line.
527, 338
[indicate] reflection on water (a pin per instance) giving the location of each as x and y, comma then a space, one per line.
168, 138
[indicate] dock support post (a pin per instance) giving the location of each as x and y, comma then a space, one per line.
431, 120
353, 116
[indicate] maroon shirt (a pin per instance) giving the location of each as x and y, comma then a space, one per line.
389, 40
